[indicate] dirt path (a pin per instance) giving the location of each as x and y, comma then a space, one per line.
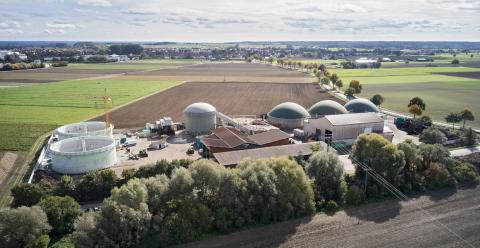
387, 224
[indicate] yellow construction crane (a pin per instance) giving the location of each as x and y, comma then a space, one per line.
106, 100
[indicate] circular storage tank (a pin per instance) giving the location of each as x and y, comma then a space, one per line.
83, 154
327, 107
201, 118
361, 105
89, 128
288, 115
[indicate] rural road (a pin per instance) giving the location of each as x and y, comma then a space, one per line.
387, 224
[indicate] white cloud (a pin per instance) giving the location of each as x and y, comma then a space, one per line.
61, 25
100, 3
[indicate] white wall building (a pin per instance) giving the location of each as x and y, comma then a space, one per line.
346, 127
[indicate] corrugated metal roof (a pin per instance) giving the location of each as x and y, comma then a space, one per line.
235, 157
351, 119
269, 136
229, 137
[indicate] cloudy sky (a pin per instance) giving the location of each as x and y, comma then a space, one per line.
239, 20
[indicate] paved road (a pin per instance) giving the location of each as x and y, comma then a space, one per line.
387, 224
464, 151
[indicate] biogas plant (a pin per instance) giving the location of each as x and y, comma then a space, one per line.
83, 147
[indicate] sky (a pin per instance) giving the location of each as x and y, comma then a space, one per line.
240, 20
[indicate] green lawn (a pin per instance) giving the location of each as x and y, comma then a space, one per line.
443, 94
27, 112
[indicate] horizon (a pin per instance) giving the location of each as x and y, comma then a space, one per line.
233, 21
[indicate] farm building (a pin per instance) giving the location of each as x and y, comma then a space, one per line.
327, 107
346, 127
201, 118
83, 154
224, 139
233, 158
361, 105
89, 128
288, 115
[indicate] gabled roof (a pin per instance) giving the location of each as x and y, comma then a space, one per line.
235, 157
229, 137
270, 136
351, 119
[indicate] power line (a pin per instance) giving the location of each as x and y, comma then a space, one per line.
397, 193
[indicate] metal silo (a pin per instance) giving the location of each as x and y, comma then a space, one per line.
200, 118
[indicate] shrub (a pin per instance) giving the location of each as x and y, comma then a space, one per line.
465, 173
331, 206
432, 135
354, 196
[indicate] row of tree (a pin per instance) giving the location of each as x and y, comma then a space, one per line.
407, 166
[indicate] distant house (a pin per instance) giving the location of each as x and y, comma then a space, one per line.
117, 58
225, 139
21, 56
423, 59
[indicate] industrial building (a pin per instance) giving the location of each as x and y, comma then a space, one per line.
83, 154
233, 158
326, 107
224, 139
361, 105
288, 115
89, 128
200, 118
346, 127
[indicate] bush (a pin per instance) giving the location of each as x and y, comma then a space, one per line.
60, 64
354, 196
26, 194
466, 173
432, 135
331, 206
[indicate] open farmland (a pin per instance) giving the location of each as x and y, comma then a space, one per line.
82, 71
27, 112
219, 72
444, 89
386, 224
229, 98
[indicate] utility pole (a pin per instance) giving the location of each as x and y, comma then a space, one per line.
366, 175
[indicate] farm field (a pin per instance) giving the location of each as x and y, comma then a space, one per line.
27, 112
82, 71
229, 98
384, 224
444, 89
220, 72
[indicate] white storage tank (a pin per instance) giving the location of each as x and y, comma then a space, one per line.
83, 154
200, 118
89, 128
288, 115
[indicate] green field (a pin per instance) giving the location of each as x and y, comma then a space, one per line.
443, 94
29, 111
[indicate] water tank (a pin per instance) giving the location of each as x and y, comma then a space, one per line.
89, 128
200, 118
79, 155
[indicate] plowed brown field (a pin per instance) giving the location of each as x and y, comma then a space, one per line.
228, 98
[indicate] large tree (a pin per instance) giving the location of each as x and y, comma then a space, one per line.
417, 101
334, 78
22, 227
27, 194
467, 115
207, 176
453, 118
125, 218
61, 213
327, 171
377, 99
378, 154
96, 185
355, 84
415, 110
